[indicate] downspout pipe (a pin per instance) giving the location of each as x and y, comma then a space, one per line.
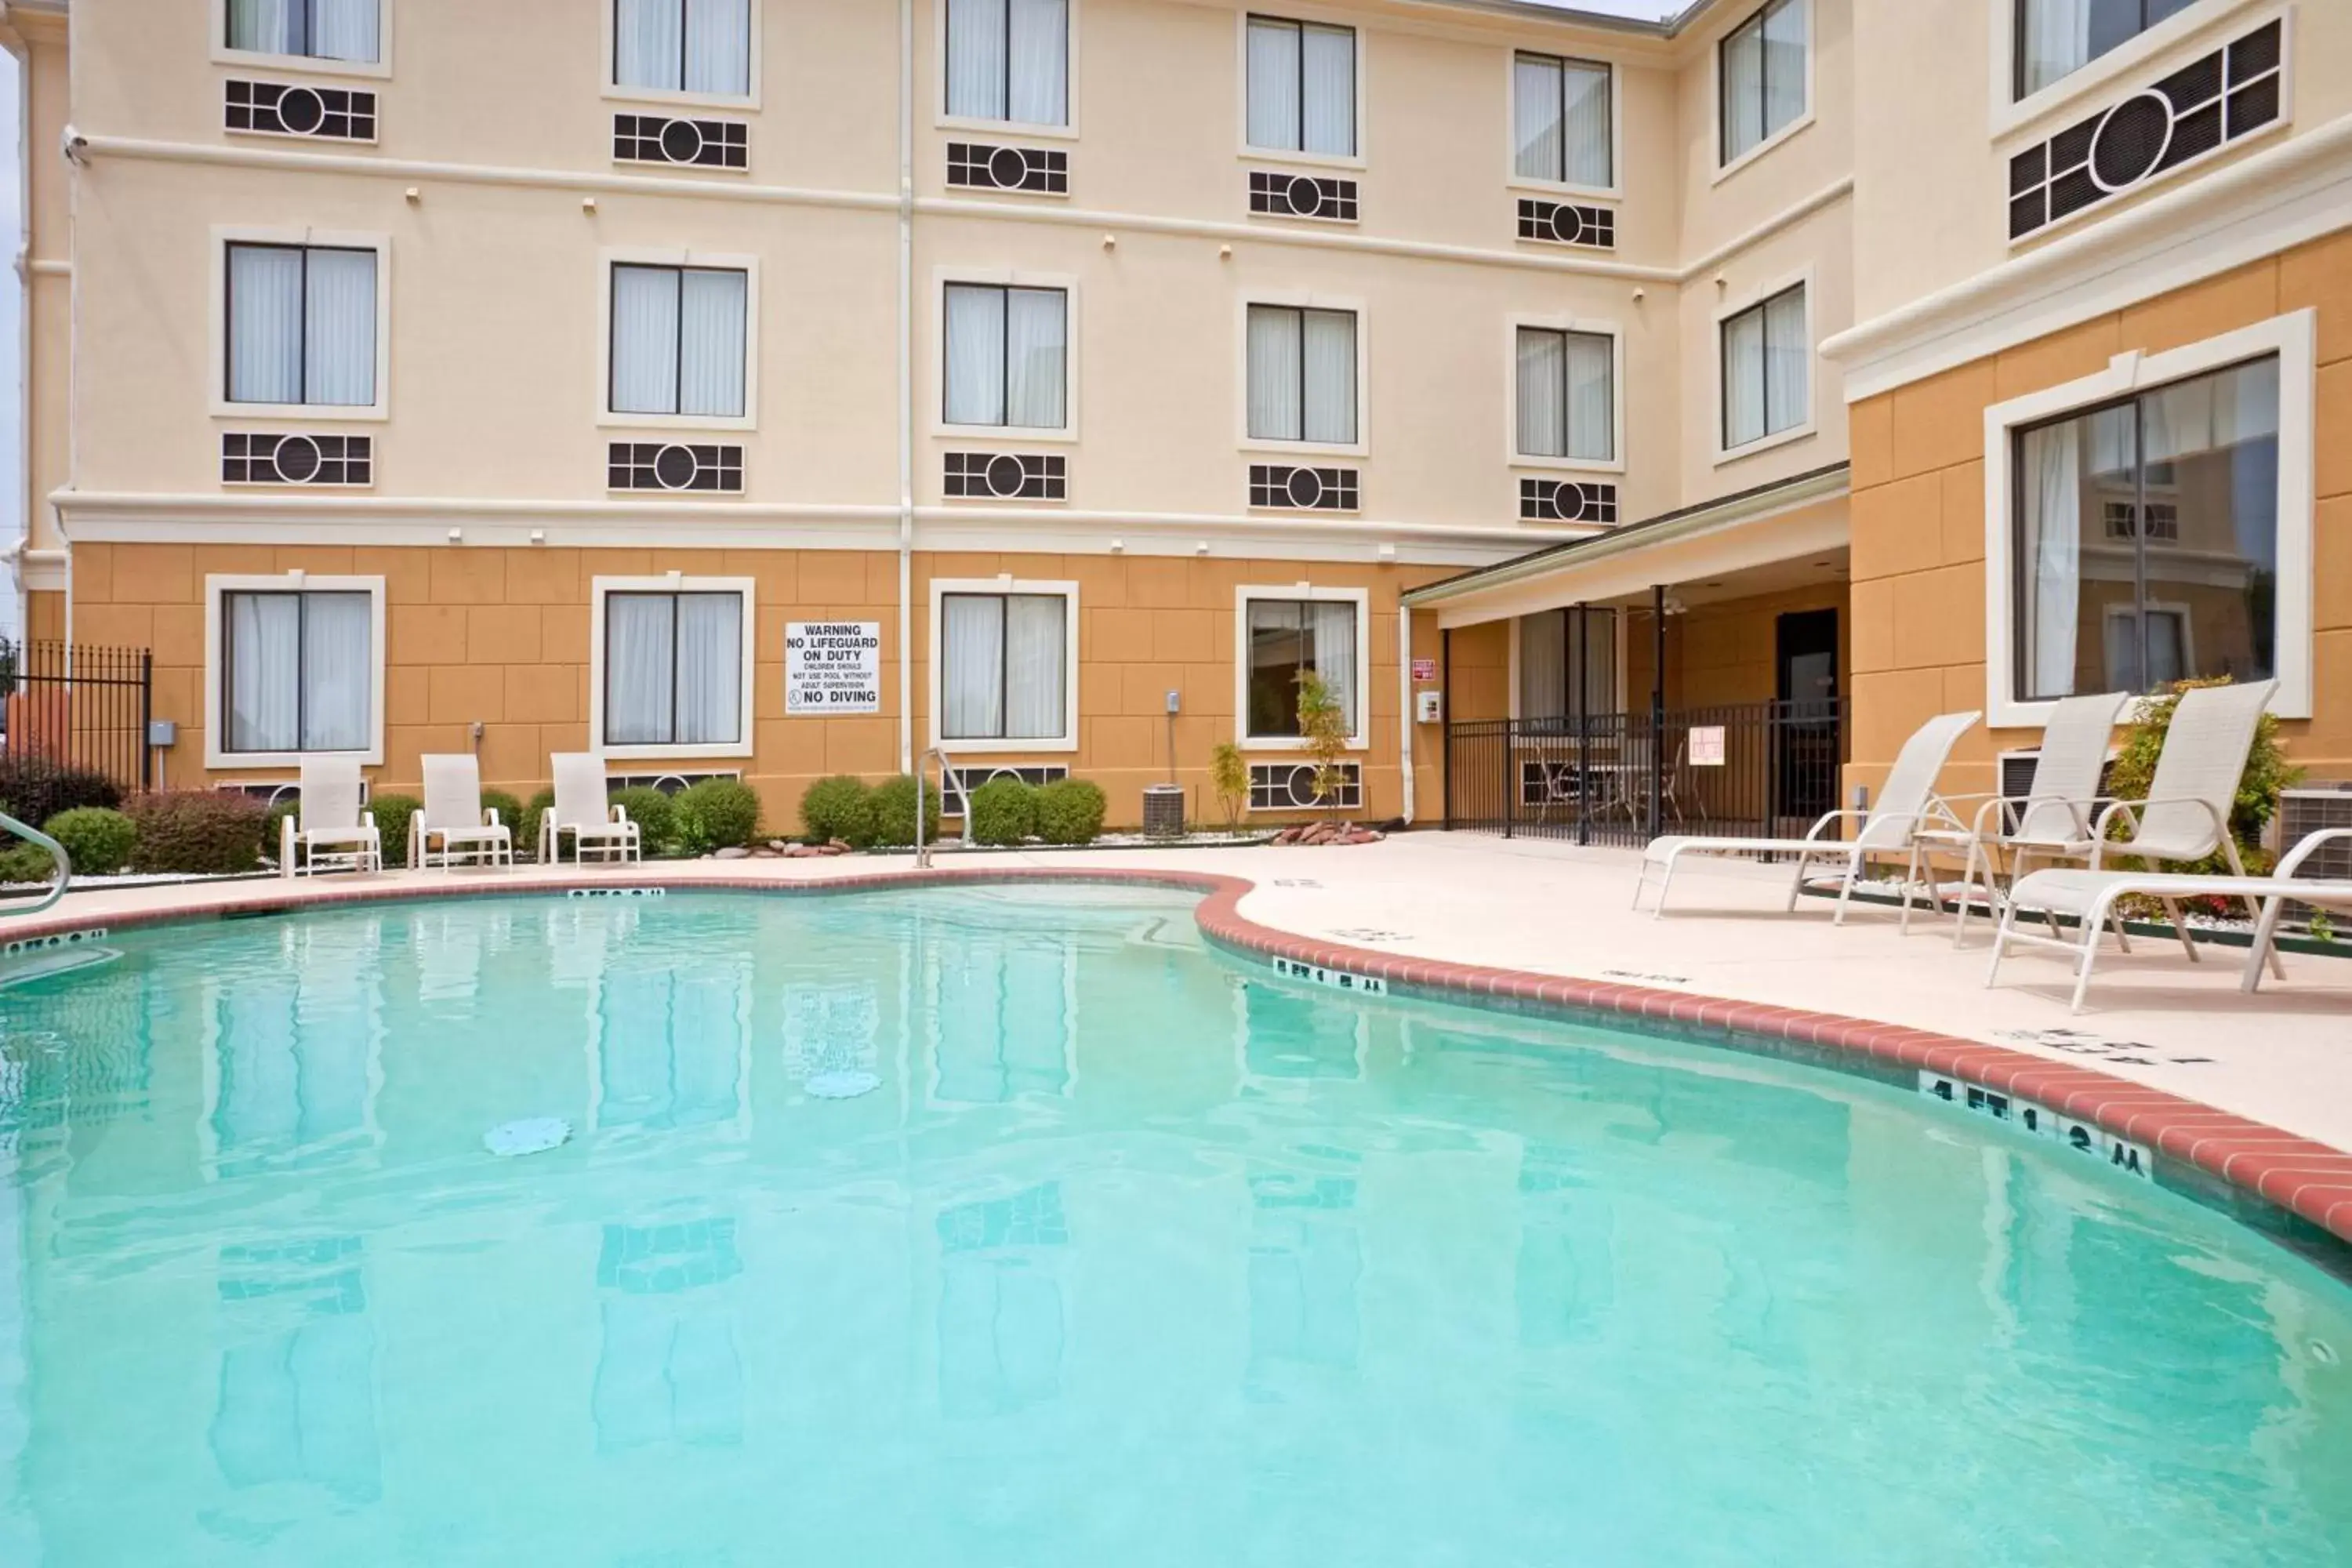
905, 386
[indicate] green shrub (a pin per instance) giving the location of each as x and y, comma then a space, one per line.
2267, 773
98, 841
534, 817
509, 810
35, 789
1002, 811
717, 814
839, 807
894, 812
654, 815
393, 815
1070, 811
196, 832
26, 863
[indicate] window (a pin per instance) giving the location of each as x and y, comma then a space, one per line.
1007, 356
1552, 667
299, 671
1560, 121
2056, 38
1567, 394
1004, 666
1302, 88
1009, 60
301, 325
683, 46
678, 340
2101, 603
1302, 374
317, 29
674, 669
1760, 79
1766, 369
1288, 638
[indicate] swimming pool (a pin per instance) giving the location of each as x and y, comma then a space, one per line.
1134, 1253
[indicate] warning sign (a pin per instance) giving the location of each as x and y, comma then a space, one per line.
833, 666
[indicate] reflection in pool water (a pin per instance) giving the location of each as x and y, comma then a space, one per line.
1139, 1256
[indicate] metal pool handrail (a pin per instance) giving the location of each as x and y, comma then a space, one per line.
57, 853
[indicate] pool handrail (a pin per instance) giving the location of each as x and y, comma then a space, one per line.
64, 863
922, 850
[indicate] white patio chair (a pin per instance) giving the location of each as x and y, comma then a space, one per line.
1906, 804
328, 831
583, 809
454, 818
2092, 897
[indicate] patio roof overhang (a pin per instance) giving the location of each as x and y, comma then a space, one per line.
1797, 518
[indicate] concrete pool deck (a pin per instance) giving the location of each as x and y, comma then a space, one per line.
2281, 1059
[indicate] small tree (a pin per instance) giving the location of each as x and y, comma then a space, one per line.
1323, 725
1229, 776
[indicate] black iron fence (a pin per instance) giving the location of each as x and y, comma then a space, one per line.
1759, 768
80, 707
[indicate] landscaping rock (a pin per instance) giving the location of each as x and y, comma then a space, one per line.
733, 852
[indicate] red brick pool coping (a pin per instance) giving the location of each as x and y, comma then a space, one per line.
2285, 1169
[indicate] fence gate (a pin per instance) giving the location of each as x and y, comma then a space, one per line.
80, 707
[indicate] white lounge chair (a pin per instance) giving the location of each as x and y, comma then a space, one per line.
455, 819
584, 810
328, 831
2092, 898
1906, 804
2051, 820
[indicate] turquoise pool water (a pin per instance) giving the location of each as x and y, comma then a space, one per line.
1135, 1254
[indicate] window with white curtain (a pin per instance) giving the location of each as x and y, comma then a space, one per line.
1567, 394
301, 322
1007, 356
1302, 88
1004, 666
1302, 374
679, 345
298, 671
1767, 359
683, 46
1287, 637
674, 669
316, 30
1009, 60
1561, 122
1760, 69
2055, 38
1552, 667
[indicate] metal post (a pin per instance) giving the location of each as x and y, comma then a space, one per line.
146, 719
1445, 685
1657, 703
1580, 656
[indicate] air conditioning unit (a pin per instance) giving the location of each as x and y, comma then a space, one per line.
694, 144
2314, 808
712, 468
1006, 476
313, 461
1288, 487
2184, 119
1302, 195
1568, 223
1033, 171
279, 109
1290, 787
1567, 500
2013, 775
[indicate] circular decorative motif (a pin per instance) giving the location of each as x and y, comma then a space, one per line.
1566, 225
1008, 168
681, 142
1304, 195
300, 111
1568, 501
675, 468
2130, 141
298, 458
1005, 475
1304, 487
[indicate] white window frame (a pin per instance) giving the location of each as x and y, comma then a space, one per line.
640, 255
225, 235
1065, 743
1304, 299
614, 90
599, 588
217, 587
252, 59
2008, 112
1512, 178
1314, 15
1066, 432
1004, 129
2294, 339
1740, 304
1360, 721
1723, 171
1615, 333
